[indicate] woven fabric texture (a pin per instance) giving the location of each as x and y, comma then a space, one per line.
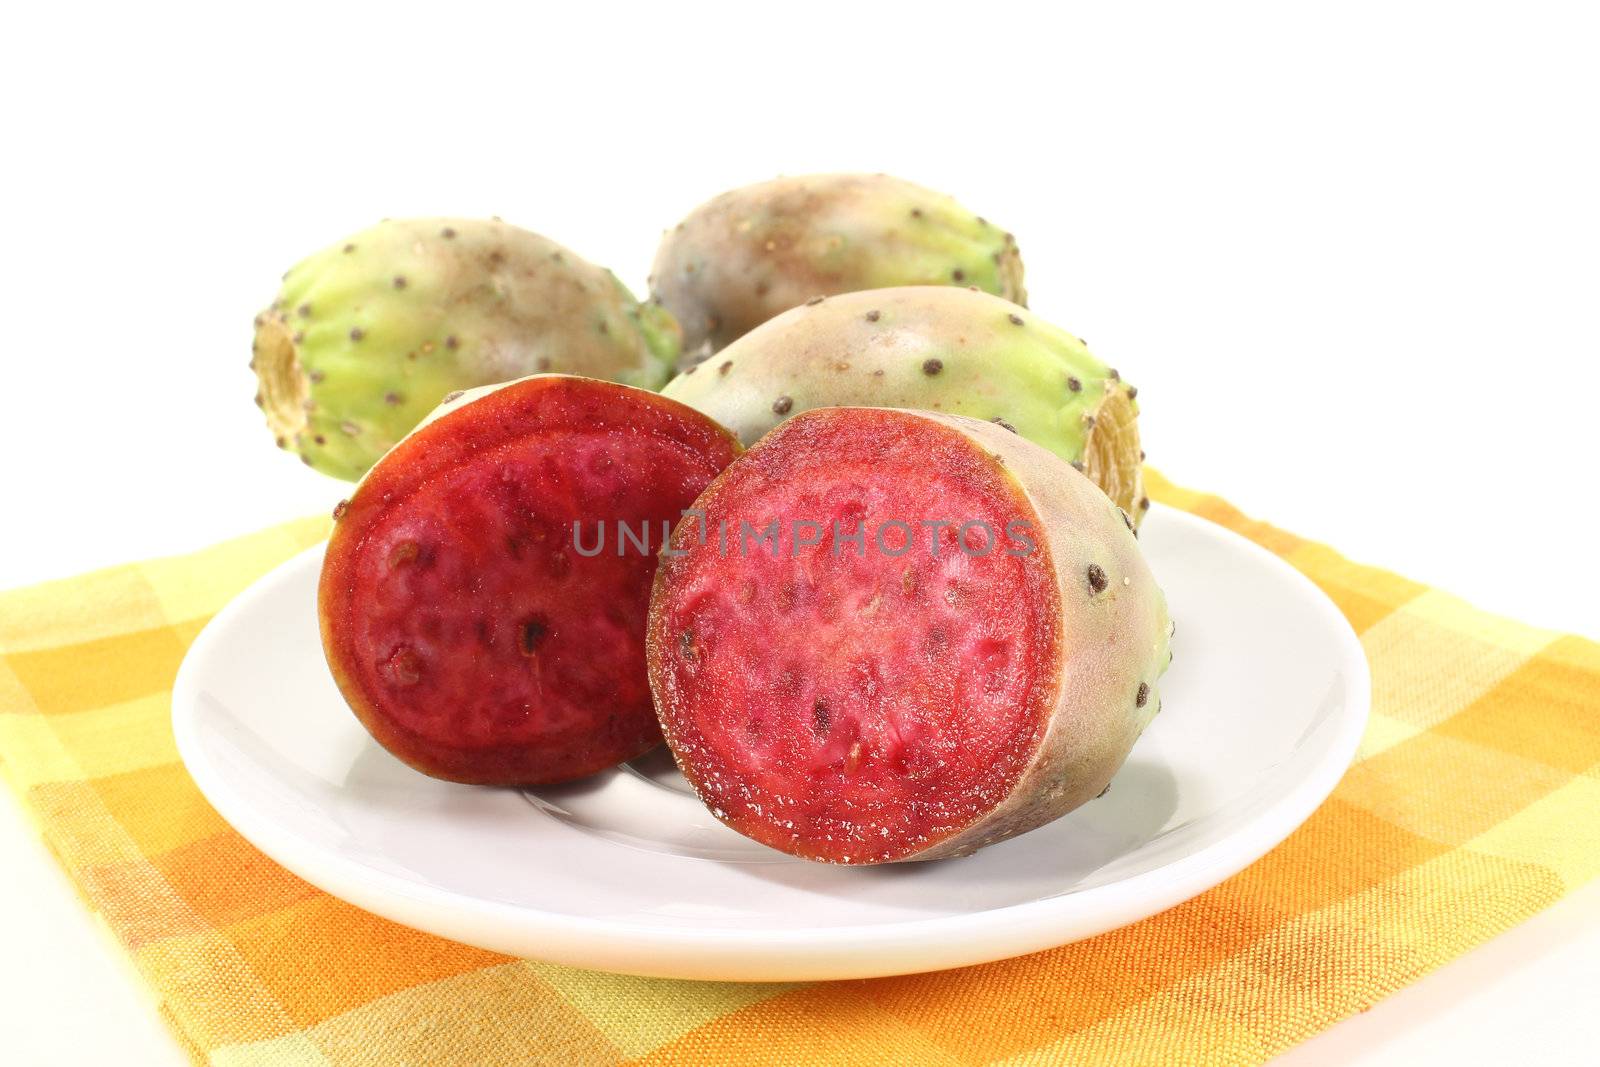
1473, 804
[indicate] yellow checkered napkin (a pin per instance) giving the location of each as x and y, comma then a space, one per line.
1473, 804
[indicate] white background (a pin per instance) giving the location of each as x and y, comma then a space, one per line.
1351, 257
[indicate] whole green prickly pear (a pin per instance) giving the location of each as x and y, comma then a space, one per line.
755, 252
367, 335
933, 348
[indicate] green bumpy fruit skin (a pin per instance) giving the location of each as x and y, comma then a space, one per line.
366, 336
932, 348
757, 251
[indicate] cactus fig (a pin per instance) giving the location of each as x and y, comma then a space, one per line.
754, 252
934, 348
978, 661
366, 335
471, 629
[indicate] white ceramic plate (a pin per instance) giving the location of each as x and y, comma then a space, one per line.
1263, 708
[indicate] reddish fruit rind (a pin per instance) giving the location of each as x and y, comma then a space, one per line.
461, 624
894, 706
754, 252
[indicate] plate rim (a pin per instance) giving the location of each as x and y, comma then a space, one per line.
988, 933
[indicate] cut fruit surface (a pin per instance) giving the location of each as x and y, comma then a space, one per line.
462, 623
893, 674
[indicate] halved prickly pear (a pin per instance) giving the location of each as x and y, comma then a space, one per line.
754, 252
949, 638
475, 630
932, 348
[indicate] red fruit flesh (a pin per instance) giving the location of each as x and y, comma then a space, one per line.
856, 708
465, 630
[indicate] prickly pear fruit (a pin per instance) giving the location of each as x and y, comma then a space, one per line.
367, 335
477, 633
977, 663
752, 253
934, 348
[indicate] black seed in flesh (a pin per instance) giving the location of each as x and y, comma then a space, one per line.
814, 301
1141, 696
1016, 320
930, 367
1073, 385
782, 405
1144, 503
530, 635
454, 395
820, 718
873, 316
340, 508
959, 275
1003, 424
357, 333
1097, 579
727, 365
